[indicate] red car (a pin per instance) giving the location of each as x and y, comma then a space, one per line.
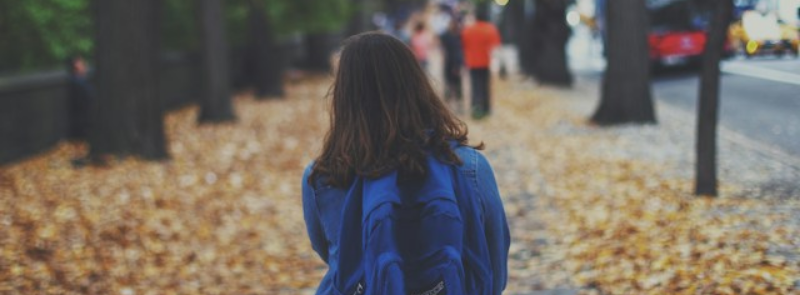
678, 33
675, 48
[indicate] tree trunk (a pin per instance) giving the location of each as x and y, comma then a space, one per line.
626, 95
264, 57
708, 104
129, 113
550, 35
319, 47
514, 16
215, 100
359, 21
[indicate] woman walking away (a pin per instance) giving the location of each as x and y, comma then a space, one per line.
398, 202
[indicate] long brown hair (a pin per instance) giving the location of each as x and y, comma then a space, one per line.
385, 115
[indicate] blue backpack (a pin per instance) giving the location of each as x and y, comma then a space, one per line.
422, 238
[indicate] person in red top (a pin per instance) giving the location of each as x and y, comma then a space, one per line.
478, 41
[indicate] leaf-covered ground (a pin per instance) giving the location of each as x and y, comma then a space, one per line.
224, 215
619, 223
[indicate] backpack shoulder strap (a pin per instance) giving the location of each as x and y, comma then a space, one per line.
350, 272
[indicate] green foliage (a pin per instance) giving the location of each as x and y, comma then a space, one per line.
317, 16
42, 33
288, 17
236, 21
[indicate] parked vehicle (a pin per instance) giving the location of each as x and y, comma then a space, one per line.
676, 47
760, 33
678, 33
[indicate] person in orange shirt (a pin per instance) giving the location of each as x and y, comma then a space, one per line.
478, 41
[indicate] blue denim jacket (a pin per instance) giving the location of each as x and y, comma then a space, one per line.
323, 204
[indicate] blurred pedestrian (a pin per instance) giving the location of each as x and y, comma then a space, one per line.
479, 39
453, 65
80, 98
393, 142
440, 21
421, 43
399, 31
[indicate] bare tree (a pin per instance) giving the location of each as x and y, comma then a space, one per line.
549, 35
708, 104
626, 95
128, 118
264, 57
514, 25
215, 100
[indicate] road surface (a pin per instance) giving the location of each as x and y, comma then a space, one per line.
760, 97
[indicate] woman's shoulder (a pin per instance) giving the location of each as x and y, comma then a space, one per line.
307, 175
307, 171
318, 186
472, 158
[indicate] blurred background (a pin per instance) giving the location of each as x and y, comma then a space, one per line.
266, 42
155, 146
